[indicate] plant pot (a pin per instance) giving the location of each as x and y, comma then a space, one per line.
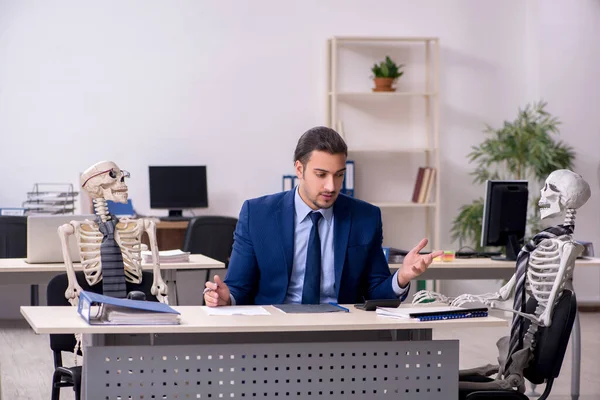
384, 85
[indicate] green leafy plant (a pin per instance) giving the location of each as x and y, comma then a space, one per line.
387, 69
521, 149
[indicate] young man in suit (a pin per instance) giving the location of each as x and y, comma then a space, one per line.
312, 245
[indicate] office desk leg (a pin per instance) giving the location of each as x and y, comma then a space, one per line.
171, 281
35, 295
576, 358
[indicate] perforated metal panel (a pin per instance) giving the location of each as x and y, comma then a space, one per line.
420, 370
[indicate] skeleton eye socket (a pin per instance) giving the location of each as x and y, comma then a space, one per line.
112, 173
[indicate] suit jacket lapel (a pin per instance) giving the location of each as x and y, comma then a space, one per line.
285, 220
341, 232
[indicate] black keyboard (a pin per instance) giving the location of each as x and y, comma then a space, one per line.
476, 254
178, 218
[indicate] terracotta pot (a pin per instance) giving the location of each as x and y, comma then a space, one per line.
384, 85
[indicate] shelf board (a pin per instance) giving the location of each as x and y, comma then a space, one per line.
383, 39
402, 205
389, 150
348, 95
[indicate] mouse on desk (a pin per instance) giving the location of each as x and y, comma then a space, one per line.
136, 295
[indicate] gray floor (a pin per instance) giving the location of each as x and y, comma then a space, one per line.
26, 359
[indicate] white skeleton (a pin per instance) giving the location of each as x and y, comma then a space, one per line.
106, 181
549, 272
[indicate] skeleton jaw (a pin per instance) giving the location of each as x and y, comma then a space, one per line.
116, 194
549, 210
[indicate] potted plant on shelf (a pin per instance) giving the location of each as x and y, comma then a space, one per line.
385, 74
522, 149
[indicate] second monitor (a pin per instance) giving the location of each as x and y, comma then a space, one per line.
178, 187
505, 216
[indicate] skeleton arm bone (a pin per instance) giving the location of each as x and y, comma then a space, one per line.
73, 290
159, 288
487, 298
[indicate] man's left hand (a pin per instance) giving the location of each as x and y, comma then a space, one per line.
415, 264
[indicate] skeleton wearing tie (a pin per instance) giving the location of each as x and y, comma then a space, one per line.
544, 269
109, 248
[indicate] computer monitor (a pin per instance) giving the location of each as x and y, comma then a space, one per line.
178, 187
505, 216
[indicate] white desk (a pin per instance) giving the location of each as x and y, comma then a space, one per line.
482, 268
329, 356
485, 268
16, 270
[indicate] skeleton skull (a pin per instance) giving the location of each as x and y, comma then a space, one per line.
563, 189
105, 180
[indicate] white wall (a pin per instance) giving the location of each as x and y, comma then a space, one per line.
233, 84
565, 41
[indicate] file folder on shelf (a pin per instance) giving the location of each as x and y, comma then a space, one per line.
97, 309
348, 185
287, 182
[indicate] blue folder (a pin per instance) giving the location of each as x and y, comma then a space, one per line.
136, 311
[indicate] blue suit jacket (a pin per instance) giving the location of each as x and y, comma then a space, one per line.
261, 261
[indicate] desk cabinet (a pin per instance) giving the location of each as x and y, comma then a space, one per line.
169, 234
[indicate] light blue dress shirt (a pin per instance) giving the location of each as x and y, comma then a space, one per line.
302, 227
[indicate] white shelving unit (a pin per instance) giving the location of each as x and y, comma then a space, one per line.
383, 129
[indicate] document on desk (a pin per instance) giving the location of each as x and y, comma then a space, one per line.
236, 310
429, 313
97, 309
310, 308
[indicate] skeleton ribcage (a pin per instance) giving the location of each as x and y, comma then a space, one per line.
128, 235
544, 263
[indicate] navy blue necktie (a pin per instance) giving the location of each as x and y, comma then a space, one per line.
113, 272
311, 292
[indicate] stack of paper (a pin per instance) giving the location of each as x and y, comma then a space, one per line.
113, 315
167, 256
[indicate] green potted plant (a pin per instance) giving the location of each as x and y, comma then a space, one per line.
385, 74
522, 149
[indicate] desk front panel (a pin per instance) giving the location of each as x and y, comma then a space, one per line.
325, 370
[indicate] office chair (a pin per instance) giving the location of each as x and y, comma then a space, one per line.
55, 295
13, 243
551, 345
13, 236
211, 236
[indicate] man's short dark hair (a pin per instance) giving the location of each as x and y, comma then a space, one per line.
319, 138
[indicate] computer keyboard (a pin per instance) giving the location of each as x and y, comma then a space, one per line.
177, 218
477, 254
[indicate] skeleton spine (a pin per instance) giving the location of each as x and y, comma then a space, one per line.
101, 209
570, 216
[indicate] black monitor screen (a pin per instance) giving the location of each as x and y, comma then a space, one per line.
178, 187
505, 215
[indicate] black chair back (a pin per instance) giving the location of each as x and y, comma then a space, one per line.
211, 236
13, 236
552, 341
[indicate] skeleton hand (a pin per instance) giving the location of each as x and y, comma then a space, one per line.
426, 296
487, 299
72, 294
159, 289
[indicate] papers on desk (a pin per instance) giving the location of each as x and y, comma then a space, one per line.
97, 309
236, 310
167, 256
427, 313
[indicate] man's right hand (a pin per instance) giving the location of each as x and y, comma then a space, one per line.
217, 293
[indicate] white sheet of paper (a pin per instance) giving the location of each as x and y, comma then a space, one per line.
236, 310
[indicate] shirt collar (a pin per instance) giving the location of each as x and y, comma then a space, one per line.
302, 209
